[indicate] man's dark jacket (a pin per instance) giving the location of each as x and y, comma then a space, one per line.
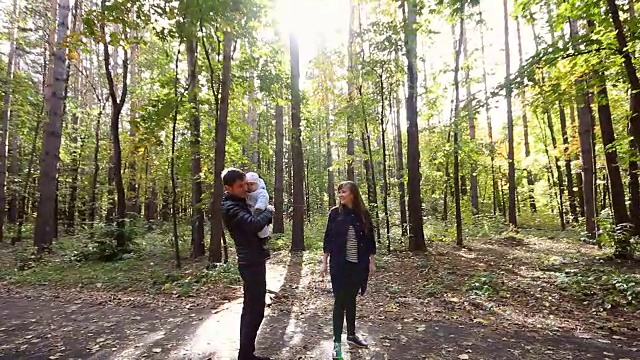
244, 227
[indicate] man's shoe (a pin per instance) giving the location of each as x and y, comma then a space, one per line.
357, 341
337, 351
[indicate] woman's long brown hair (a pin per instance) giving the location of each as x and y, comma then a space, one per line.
358, 204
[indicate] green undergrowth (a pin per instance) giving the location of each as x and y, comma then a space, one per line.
483, 284
147, 266
604, 287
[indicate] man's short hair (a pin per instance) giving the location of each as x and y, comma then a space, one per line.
232, 175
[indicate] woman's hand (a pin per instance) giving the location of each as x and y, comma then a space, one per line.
323, 269
323, 266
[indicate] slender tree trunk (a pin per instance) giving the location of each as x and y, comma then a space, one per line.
278, 196
585, 129
307, 193
93, 197
511, 153
117, 103
133, 202
297, 234
556, 163
46, 220
217, 231
351, 87
331, 186
525, 128
578, 178
174, 192
24, 196
6, 114
368, 164
620, 214
573, 209
456, 132
385, 180
473, 177
634, 105
416, 230
75, 176
400, 174
14, 173
197, 217
492, 150
76, 141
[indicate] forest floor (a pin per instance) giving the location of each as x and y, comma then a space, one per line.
510, 297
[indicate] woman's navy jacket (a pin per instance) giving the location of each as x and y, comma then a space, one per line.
335, 243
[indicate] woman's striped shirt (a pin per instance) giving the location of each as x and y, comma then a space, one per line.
352, 245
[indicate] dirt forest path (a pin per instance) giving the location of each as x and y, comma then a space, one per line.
297, 326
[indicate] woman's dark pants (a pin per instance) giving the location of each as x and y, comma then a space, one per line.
345, 292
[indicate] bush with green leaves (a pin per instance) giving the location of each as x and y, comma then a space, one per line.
606, 287
483, 284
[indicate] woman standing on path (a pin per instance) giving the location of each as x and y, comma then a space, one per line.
350, 245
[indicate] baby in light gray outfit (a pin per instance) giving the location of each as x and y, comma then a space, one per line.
258, 199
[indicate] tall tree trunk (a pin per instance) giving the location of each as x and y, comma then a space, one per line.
45, 221
75, 176
133, 202
573, 209
76, 141
278, 192
585, 129
487, 109
6, 114
197, 217
556, 162
385, 180
634, 105
14, 173
331, 186
93, 197
369, 168
117, 103
400, 174
289, 158
525, 127
473, 177
24, 196
620, 214
252, 149
416, 230
456, 131
297, 233
351, 87
217, 231
174, 192
578, 178
551, 178
513, 221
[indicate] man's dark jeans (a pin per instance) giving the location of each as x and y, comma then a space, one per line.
254, 277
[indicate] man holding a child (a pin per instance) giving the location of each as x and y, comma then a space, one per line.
246, 217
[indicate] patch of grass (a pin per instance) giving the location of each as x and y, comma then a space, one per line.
432, 288
125, 274
148, 267
394, 289
605, 287
185, 283
482, 284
